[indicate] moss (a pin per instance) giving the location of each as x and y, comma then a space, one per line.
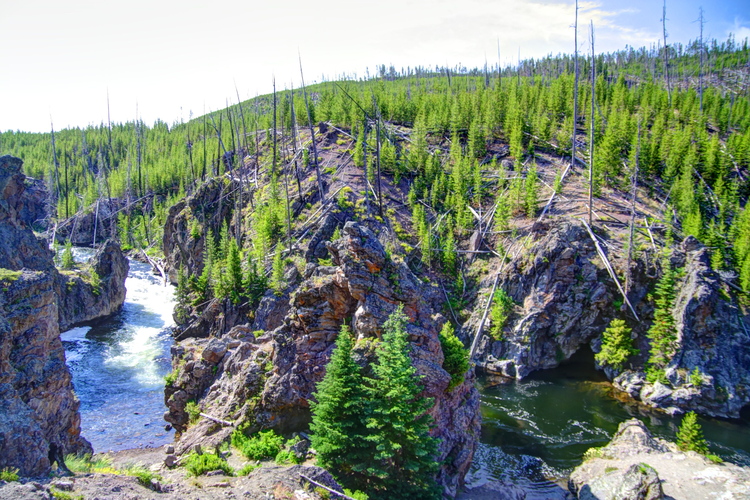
9, 276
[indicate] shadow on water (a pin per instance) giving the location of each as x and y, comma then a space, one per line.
539, 428
118, 367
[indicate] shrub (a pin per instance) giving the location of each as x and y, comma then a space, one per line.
690, 435
193, 411
456, 361
145, 476
67, 256
285, 457
247, 469
9, 474
617, 345
501, 309
198, 465
263, 445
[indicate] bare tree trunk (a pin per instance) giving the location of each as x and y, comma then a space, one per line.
294, 146
56, 164
634, 196
138, 151
591, 140
312, 134
575, 91
666, 52
700, 71
273, 160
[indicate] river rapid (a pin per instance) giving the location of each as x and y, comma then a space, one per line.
118, 365
534, 431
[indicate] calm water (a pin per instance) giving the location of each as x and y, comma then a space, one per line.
538, 429
118, 366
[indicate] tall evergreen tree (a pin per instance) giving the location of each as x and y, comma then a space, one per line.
338, 423
403, 464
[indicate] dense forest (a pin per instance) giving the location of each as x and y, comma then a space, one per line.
460, 138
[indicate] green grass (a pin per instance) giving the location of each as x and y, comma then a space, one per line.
198, 465
145, 476
247, 469
8, 275
9, 474
87, 463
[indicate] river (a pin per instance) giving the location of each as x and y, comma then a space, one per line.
537, 430
533, 431
118, 365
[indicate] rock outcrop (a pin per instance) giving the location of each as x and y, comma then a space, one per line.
637, 465
708, 372
562, 303
267, 381
38, 410
80, 300
564, 299
188, 222
39, 415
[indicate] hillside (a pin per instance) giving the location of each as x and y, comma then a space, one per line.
453, 196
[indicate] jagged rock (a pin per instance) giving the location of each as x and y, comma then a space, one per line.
34, 211
214, 351
101, 217
639, 481
188, 222
712, 348
562, 303
38, 410
79, 301
636, 465
267, 382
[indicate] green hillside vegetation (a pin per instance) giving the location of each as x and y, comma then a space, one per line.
461, 143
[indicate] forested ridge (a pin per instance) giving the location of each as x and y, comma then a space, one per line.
446, 131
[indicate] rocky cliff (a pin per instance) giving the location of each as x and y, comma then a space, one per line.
266, 378
39, 411
564, 298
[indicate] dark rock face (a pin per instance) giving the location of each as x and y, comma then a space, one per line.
562, 303
268, 381
37, 404
38, 410
565, 299
80, 302
35, 210
101, 218
19, 248
188, 221
713, 345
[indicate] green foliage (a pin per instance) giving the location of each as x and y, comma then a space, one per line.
690, 435
62, 495
193, 410
696, 377
339, 411
67, 261
456, 357
9, 474
260, 446
247, 469
285, 457
617, 345
531, 187
145, 476
663, 331
95, 281
87, 463
373, 433
356, 494
9, 276
502, 306
197, 465
403, 464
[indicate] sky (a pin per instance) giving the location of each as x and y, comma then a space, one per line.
159, 59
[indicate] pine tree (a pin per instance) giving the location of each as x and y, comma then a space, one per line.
277, 273
233, 272
617, 345
690, 435
338, 416
403, 464
456, 357
662, 333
